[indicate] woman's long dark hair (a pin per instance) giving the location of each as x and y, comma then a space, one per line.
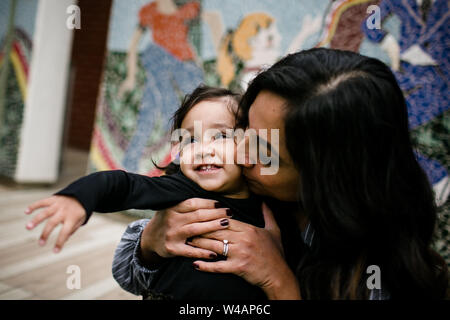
361, 186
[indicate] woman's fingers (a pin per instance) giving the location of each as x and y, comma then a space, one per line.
272, 227
198, 228
203, 215
196, 253
41, 216
218, 235
269, 220
222, 266
193, 204
225, 233
208, 244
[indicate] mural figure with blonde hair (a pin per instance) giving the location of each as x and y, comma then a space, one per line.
254, 45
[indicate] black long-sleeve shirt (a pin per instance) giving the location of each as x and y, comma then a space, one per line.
109, 191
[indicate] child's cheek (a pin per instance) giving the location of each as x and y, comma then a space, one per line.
186, 156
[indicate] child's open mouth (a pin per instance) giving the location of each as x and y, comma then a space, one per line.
207, 168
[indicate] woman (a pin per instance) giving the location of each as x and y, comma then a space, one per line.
347, 161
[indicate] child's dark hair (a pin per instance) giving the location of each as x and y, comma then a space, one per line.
201, 93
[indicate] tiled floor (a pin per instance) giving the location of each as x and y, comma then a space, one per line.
28, 271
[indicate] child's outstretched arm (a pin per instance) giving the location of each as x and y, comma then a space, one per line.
105, 191
57, 209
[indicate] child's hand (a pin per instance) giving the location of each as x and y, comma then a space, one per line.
58, 209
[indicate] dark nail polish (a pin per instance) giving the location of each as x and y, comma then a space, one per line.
217, 205
195, 266
213, 255
224, 222
229, 212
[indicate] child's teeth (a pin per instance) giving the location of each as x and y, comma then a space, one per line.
206, 167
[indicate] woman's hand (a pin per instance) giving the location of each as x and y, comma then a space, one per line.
58, 209
254, 253
166, 233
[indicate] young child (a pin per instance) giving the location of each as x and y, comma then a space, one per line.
204, 172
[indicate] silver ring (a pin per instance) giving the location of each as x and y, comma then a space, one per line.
225, 248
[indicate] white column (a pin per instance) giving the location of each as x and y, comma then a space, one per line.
42, 129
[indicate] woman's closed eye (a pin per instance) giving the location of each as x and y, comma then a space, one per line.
192, 139
268, 164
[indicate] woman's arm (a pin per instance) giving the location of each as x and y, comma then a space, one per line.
127, 268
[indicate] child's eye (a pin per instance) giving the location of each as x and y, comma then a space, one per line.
188, 140
220, 135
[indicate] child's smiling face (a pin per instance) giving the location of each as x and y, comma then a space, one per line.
207, 156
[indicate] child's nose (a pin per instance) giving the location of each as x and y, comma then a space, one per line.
206, 150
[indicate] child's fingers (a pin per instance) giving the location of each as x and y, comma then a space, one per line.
41, 216
38, 204
50, 225
64, 234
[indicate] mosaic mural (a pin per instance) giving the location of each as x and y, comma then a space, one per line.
160, 50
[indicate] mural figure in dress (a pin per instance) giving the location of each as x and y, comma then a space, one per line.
419, 59
170, 65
